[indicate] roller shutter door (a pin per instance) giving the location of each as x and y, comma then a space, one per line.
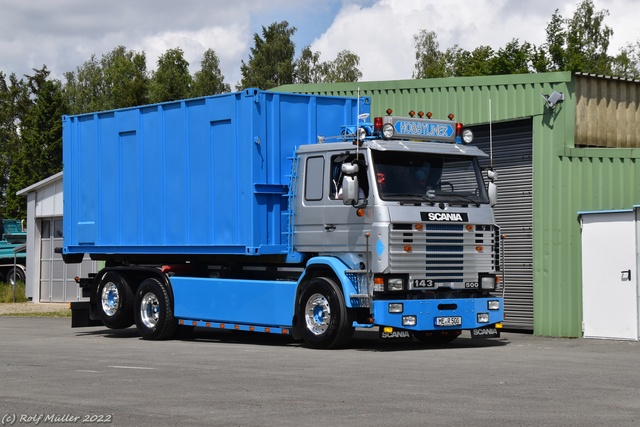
513, 160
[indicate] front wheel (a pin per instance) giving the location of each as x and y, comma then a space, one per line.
154, 311
115, 301
323, 316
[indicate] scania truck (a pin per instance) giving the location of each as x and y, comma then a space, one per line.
280, 213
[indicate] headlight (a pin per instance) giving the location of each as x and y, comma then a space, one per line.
467, 136
488, 282
387, 131
493, 305
395, 284
410, 320
362, 134
483, 317
396, 307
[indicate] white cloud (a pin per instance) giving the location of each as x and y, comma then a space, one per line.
229, 43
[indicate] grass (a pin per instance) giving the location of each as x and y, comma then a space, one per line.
6, 293
60, 313
7, 297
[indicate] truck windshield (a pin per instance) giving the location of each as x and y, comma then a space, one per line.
431, 178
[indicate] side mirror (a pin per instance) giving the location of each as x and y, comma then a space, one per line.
350, 190
493, 188
493, 193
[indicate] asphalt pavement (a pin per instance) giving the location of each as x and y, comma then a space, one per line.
52, 374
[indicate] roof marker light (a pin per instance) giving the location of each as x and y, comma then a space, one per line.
412, 114
429, 114
451, 116
389, 111
377, 124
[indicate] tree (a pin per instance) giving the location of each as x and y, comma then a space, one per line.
343, 69
209, 80
14, 102
125, 78
271, 59
627, 63
308, 68
119, 79
462, 63
514, 58
85, 88
171, 80
430, 61
39, 154
581, 42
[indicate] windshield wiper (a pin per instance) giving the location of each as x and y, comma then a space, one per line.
410, 198
460, 198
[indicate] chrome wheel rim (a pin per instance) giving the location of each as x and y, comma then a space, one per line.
110, 299
150, 310
317, 314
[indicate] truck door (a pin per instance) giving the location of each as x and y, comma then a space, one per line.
309, 211
343, 228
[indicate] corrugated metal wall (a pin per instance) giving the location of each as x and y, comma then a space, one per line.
607, 100
566, 178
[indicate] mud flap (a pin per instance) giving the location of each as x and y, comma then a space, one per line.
81, 315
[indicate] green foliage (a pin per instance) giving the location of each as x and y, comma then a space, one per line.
209, 80
7, 293
171, 80
119, 79
14, 102
430, 62
271, 59
309, 69
39, 153
579, 43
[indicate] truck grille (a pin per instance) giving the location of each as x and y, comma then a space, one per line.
449, 254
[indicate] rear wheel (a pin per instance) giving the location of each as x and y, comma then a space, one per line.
323, 316
154, 311
115, 301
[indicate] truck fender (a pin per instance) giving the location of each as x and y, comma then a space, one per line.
337, 267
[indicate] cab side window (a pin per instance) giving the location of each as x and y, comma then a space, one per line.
314, 179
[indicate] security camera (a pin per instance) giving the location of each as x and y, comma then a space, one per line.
553, 99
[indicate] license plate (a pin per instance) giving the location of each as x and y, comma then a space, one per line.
449, 321
485, 333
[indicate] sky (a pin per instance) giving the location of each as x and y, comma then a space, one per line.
63, 34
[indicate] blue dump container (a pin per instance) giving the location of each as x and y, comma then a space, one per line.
200, 176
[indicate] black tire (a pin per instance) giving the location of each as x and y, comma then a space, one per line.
13, 277
154, 311
436, 337
114, 301
323, 319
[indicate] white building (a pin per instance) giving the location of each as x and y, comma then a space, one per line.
49, 279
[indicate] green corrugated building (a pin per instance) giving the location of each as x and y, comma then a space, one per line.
562, 143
